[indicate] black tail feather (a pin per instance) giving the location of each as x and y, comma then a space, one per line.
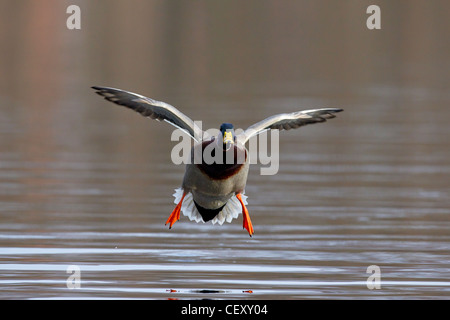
208, 214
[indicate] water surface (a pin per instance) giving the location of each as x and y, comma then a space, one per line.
86, 183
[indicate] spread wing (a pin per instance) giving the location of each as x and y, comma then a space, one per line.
147, 107
286, 121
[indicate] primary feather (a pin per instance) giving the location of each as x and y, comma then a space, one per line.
286, 121
154, 109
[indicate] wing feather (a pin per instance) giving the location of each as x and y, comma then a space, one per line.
286, 121
150, 108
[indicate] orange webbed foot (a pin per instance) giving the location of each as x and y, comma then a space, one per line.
247, 222
175, 215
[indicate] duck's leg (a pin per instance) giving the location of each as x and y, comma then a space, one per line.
175, 215
247, 222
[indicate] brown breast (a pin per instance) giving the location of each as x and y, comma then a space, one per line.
224, 170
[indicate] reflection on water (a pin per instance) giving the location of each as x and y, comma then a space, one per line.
83, 182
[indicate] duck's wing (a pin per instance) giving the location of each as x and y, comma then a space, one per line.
286, 121
147, 107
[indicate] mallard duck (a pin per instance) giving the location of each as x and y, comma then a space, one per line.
213, 191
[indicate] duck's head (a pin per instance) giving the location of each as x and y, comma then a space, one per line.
227, 135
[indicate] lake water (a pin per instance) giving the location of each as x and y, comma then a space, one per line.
88, 184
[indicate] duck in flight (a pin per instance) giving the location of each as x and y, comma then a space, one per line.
213, 191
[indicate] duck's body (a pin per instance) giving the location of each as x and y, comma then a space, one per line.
213, 185
213, 190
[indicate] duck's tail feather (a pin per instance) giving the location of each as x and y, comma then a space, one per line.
230, 211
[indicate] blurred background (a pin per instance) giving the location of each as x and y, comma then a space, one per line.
79, 174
